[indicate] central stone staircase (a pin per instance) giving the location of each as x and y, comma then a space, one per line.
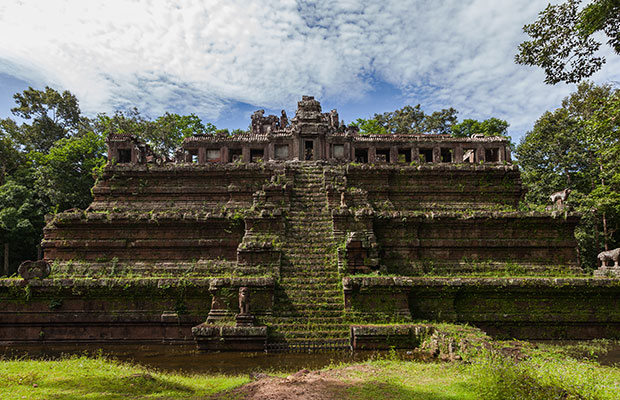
309, 301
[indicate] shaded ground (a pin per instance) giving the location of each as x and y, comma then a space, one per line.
352, 382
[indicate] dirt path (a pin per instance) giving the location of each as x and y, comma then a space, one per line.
310, 385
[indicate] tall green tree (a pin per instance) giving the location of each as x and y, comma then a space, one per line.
369, 127
68, 171
577, 146
21, 217
563, 39
163, 135
50, 116
489, 127
413, 120
10, 157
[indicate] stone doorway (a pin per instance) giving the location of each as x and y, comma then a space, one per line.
309, 150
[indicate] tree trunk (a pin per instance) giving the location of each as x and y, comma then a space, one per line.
6, 259
605, 237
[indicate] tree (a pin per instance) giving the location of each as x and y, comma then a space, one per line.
412, 120
163, 135
168, 131
67, 173
489, 127
10, 157
54, 116
563, 43
577, 146
21, 219
369, 127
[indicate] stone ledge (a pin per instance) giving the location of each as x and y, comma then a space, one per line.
211, 337
525, 282
160, 283
375, 337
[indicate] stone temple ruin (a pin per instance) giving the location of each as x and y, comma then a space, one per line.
300, 230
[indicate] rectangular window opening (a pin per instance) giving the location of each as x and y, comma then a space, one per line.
361, 155
235, 155
383, 155
281, 151
257, 155
491, 155
426, 155
124, 156
469, 156
194, 155
404, 156
338, 151
213, 155
446, 155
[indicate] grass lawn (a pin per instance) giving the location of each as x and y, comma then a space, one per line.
537, 372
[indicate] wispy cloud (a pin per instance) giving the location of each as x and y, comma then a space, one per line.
203, 56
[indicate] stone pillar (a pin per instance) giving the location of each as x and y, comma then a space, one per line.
415, 155
245, 151
508, 155
224, 154
270, 154
501, 154
481, 157
372, 154
393, 154
202, 155
436, 154
457, 154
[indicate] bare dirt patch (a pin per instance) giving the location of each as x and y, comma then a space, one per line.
304, 384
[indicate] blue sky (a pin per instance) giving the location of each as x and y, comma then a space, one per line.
224, 59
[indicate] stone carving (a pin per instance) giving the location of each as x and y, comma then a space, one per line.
244, 318
559, 198
34, 270
283, 120
333, 119
244, 300
610, 255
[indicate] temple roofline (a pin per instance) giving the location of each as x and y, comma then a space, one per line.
312, 135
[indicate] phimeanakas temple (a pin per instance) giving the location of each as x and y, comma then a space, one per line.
307, 234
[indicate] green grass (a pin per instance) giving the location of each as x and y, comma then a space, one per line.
545, 375
505, 370
101, 378
393, 379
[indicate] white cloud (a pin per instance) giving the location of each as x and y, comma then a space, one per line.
202, 56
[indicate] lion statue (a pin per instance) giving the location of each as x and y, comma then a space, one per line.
610, 255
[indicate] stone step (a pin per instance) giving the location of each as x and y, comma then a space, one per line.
315, 306
336, 319
298, 293
312, 326
295, 281
302, 334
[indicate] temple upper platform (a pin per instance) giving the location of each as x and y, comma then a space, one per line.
312, 135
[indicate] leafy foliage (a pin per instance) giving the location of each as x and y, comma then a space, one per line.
578, 146
49, 163
489, 127
163, 135
54, 116
563, 43
412, 120
66, 174
369, 127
